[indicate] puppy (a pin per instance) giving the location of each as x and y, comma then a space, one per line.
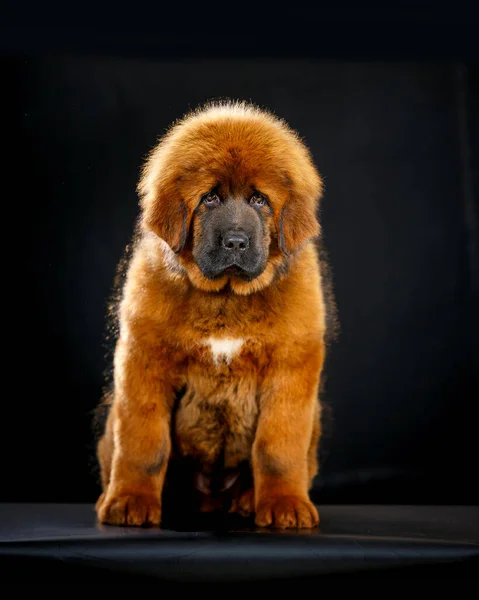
222, 325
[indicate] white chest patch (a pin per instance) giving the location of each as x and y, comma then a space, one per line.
224, 348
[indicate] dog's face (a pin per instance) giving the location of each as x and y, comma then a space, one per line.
232, 196
232, 233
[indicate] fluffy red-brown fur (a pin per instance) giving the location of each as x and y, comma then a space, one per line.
260, 408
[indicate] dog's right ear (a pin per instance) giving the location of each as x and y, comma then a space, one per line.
164, 212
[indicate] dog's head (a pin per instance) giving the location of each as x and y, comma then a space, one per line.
233, 192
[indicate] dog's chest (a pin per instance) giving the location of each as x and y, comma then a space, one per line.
216, 417
223, 349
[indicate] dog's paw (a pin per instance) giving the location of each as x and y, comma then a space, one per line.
243, 504
130, 510
286, 511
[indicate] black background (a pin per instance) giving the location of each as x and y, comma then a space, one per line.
388, 104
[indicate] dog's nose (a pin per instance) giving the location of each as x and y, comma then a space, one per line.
235, 240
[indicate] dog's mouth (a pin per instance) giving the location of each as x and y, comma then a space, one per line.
233, 270
236, 271
213, 267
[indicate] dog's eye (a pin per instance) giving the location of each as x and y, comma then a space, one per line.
257, 200
211, 199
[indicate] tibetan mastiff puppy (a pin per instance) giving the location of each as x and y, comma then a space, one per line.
222, 324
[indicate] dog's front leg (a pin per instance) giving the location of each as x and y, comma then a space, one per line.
141, 414
282, 442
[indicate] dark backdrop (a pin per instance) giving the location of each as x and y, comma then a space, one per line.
396, 140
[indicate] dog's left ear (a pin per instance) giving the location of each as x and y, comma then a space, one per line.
298, 220
163, 209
